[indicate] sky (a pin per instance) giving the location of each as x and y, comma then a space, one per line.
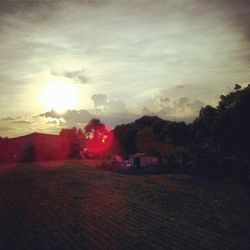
65, 62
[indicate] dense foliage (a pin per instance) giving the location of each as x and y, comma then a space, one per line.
94, 141
216, 144
74, 137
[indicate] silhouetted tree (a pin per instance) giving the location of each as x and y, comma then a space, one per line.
147, 142
215, 144
125, 136
98, 138
75, 140
237, 87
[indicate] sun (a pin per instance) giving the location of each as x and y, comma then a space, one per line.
59, 96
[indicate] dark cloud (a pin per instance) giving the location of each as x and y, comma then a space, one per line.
42, 9
80, 117
21, 122
79, 76
15, 120
77, 115
164, 99
51, 114
70, 115
111, 112
99, 100
111, 106
14, 6
236, 12
8, 119
181, 86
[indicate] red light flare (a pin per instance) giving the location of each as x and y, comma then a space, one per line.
101, 140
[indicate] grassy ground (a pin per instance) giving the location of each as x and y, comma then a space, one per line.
65, 205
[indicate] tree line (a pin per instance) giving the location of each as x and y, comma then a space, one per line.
216, 144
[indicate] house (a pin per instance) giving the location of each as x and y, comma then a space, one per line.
143, 160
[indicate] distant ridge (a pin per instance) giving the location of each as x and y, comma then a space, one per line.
31, 134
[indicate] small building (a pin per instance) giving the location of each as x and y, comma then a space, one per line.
143, 160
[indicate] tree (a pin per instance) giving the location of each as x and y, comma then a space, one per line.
237, 87
147, 142
215, 144
75, 140
125, 137
93, 124
98, 138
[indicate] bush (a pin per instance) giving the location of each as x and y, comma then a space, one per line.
109, 165
180, 161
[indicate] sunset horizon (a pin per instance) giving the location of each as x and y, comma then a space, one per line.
117, 60
124, 124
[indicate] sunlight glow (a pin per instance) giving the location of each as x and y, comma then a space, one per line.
59, 96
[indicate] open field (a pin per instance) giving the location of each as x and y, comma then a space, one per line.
65, 205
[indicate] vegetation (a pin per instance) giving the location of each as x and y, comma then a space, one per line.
66, 205
74, 137
95, 140
216, 144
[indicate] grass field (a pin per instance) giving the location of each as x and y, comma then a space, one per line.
67, 205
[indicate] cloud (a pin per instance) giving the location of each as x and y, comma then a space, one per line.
191, 48
71, 117
51, 114
16, 120
21, 122
147, 111
181, 109
101, 103
196, 105
183, 101
100, 100
119, 118
78, 76
28, 124
52, 122
181, 86
81, 117
116, 106
164, 99
8, 119
4, 128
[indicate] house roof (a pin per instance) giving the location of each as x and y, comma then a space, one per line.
137, 155
35, 134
